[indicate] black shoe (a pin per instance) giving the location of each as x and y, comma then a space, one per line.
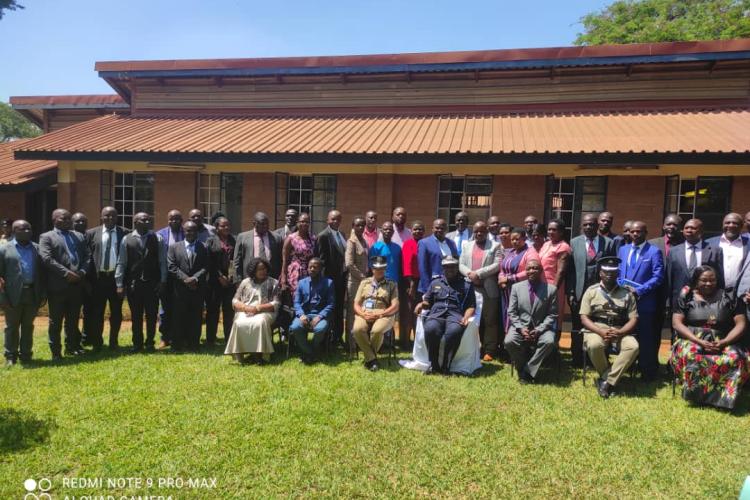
525, 378
430, 371
96, 349
25, 360
72, 352
373, 366
135, 349
56, 356
113, 347
81, 350
150, 348
605, 390
10, 363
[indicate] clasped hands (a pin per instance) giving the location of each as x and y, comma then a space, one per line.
529, 335
611, 334
309, 323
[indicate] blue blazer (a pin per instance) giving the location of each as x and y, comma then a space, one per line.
648, 273
429, 259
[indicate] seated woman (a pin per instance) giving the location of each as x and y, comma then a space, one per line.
256, 303
707, 357
375, 306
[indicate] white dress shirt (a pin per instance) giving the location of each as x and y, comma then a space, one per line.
733, 252
698, 253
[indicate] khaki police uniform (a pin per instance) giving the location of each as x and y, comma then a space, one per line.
375, 297
614, 308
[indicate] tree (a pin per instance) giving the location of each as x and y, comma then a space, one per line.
15, 126
9, 5
636, 21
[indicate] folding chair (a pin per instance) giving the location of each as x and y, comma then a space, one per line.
609, 351
555, 354
389, 342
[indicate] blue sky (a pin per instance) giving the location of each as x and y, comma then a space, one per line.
51, 46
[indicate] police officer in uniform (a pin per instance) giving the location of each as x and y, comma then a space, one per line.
450, 303
375, 307
609, 317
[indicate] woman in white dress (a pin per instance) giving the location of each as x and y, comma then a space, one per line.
256, 303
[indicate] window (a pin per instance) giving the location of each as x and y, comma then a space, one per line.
470, 194
129, 193
570, 197
221, 193
311, 194
705, 198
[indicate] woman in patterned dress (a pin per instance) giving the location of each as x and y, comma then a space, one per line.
513, 270
554, 257
297, 252
256, 304
708, 357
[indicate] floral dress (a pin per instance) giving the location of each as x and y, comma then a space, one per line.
713, 379
302, 252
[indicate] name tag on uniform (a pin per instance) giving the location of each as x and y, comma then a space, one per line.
369, 304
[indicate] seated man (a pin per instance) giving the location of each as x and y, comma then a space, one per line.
375, 307
451, 304
609, 317
314, 300
532, 312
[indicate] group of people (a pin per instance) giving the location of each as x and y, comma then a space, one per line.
353, 290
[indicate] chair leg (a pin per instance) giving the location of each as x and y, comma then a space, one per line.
585, 357
288, 345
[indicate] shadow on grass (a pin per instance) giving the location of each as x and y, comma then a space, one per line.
20, 430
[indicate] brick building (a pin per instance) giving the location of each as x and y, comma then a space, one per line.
639, 130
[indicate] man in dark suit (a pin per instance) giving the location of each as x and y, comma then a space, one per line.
142, 275
168, 235
605, 222
103, 243
462, 232
430, 254
624, 238
672, 236
587, 249
258, 243
187, 262
533, 322
642, 271
290, 225
685, 257
22, 291
734, 247
66, 258
330, 247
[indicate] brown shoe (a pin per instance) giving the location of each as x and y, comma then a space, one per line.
162, 345
487, 358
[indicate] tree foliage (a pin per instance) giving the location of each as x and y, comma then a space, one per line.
9, 5
637, 21
15, 126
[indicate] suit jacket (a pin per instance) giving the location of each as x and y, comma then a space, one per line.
244, 252
93, 240
10, 271
579, 268
745, 247
332, 253
216, 258
542, 315
430, 260
282, 233
743, 281
452, 236
490, 265
648, 273
54, 253
180, 267
677, 275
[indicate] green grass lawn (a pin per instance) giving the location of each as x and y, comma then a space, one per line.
336, 430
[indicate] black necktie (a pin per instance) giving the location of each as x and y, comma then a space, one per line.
693, 260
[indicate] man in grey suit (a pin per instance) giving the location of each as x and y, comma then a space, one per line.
685, 257
533, 322
66, 258
290, 225
462, 232
249, 246
582, 272
21, 292
482, 272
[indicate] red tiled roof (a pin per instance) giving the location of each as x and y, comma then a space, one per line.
69, 101
726, 131
591, 51
21, 171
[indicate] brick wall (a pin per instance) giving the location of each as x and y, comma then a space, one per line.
13, 205
358, 193
258, 195
516, 196
637, 197
172, 190
418, 195
741, 194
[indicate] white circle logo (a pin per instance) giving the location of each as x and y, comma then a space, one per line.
29, 484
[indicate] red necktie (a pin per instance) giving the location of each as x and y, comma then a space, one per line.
591, 251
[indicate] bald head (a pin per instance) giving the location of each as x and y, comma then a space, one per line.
22, 231
61, 219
